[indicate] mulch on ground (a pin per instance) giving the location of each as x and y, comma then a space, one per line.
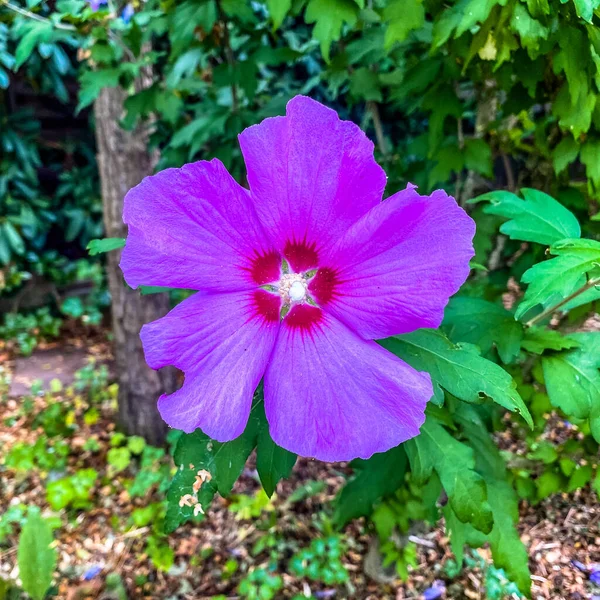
562, 533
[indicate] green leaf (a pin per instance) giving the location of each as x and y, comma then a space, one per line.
548, 483
580, 478
574, 52
364, 84
14, 238
573, 380
105, 245
229, 458
553, 280
538, 340
537, 218
590, 157
564, 154
272, 462
461, 17
37, 560
574, 116
402, 17
375, 478
459, 369
435, 449
93, 82
478, 156
329, 16
508, 551
585, 8
484, 324
278, 9
38, 32
225, 461
529, 29
119, 459
193, 453
239, 9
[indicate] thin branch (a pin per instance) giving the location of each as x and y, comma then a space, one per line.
228, 56
584, 288
510, 177
373, 108
30, 15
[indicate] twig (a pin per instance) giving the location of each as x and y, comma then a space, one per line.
420, 541
373, 108
229, 56
584, 288
510, 178
30, 15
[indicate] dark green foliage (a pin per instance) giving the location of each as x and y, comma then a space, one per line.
321, 561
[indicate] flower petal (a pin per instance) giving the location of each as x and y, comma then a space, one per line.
334, 396
395, 269
195, 228
222, 342
310, 174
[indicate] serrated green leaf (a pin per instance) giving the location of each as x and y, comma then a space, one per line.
224, 461
590, 157
105, 245
536, 218
461, 17
329, 17
573, 380
574, 116
435, 449
402, 17
538, 340
574, 51
374, 479
484, 324
459, 369
278, 9
37, 560
554, 280
530, 30
585, 8
564, 154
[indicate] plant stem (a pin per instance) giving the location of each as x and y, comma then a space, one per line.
33, 16
584, 288
373, 108
229, 57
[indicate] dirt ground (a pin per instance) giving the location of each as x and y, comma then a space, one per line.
561, 533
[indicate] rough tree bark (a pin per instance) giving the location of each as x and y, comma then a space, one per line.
124, 160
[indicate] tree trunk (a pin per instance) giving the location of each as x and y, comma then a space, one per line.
124, 160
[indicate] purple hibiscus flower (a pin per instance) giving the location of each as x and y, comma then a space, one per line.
296, 277
96, 4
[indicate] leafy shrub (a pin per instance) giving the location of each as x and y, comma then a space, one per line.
259, 584
73, 491
321, 561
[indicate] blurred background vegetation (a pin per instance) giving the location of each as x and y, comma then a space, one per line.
468, 95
